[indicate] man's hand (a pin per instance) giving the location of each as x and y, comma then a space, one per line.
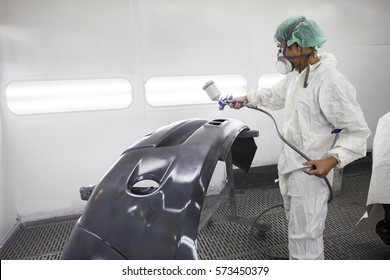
320, 168
237, 102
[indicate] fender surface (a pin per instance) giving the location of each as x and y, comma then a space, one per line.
148, 205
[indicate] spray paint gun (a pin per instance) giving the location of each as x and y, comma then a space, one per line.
214, 94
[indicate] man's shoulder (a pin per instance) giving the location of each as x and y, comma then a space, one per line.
331, 74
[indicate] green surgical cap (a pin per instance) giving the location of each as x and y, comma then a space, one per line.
298, 29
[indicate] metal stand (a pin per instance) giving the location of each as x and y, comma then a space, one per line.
229, 190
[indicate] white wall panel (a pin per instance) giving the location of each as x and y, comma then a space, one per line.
50, 156
192, 35
43, 37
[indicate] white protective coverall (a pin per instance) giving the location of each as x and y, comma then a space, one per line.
379, 189
311, 114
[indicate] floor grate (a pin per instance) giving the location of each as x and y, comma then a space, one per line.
228, 240
37, 242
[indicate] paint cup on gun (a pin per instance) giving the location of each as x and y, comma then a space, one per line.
212, 91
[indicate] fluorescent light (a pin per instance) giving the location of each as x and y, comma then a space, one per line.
39, 97
187, 90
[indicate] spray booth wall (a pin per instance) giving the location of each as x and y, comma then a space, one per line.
47, 157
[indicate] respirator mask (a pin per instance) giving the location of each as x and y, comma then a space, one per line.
283, 65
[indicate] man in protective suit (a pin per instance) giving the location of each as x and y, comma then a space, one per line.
322, 118
378, 200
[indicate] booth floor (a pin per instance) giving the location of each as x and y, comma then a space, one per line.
220, 239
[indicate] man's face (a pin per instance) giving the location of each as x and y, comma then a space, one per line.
290, 53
